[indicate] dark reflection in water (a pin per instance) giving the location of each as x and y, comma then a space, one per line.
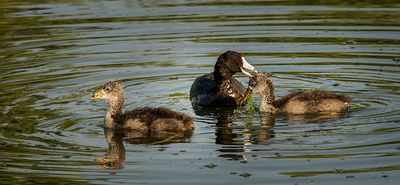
224, 117
115, 156
226, 132
158, 138
317, 118
259, 133
265, 131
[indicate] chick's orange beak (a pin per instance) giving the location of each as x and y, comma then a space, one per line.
97, 95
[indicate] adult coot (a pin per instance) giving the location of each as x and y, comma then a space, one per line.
219, 88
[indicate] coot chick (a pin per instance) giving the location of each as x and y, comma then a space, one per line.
219, 88
304, 102
144, 119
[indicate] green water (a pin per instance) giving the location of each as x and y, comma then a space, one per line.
54, 54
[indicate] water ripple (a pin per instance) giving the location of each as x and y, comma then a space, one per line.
53, 56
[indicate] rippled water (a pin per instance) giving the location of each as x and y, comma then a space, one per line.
53, 55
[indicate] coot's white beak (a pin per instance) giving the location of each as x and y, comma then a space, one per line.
247, 67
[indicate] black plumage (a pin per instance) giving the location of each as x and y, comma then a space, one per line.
219, 88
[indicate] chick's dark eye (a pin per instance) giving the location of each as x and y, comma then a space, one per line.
107, 89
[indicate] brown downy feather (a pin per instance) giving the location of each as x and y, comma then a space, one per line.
145, 119
303, 102
149, 115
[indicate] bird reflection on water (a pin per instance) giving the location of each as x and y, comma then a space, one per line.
227, 133
234, 139
115, 156
235, 133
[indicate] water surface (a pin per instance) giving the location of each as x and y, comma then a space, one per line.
54, 54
